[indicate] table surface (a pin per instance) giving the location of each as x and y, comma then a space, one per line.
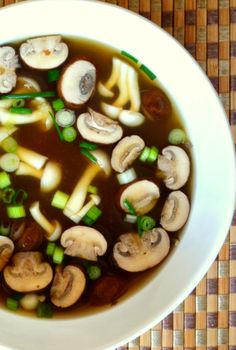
207, 29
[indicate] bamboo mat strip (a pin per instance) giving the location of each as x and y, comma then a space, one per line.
206, 320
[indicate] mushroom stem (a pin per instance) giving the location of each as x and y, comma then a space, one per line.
40, 218
30, 157
25, 169
94, 200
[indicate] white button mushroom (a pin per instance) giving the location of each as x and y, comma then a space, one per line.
174, 163
8, 65
175, 211
44, 52
135, 254
84, 242
53, 228
6, 251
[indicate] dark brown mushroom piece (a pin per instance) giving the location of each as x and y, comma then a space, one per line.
155, 104
31, 238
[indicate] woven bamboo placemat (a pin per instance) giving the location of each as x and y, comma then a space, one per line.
206, 320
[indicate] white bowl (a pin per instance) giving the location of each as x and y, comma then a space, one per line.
214, 173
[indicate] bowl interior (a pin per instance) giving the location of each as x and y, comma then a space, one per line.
213, 156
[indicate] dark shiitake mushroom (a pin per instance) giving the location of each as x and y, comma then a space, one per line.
155, 104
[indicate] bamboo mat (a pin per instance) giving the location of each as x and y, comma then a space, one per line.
206, 320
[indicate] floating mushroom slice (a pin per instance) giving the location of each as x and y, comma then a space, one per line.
126, 151
68, 286
6, 251
131, 119
84, 242
77, 83
96, 127
26, 84
174, 163
8, 65
155, 104
142, 194
175, 211
28, 273
135, 254
44, 52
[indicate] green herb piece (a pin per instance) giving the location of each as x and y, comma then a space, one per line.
92, 189
12, 304
129, 56
9, 145
177, 136
21, 110
88, 145
148, 72
16, 212
51, 246
58, 104
7, 195
153, 154
60, 199
18, 102
144, 155
53, 75
58, 255
5, 230
5, 180
89, 155
57, 127
94, 272
129, 207
147, 223
69, 134
20, 197
28, 95
44, 310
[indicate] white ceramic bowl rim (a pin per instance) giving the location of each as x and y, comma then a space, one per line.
214, 193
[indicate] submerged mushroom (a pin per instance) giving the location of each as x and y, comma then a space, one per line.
96, 127
6, 250
8, 65
30, 239
28, 273
126, 151
77, 83
175, 211
155, 104
84, 242
142, 195
135, 254
68, 286
174, 163
44, 52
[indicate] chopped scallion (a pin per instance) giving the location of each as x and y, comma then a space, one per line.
28, 95
5, 180
152, 157
21, 110
147, 71
177, 136
58, 255
57, 127
9, 162
20, 197
65, 117
147, 223
92, 215
69, 134
92, 189
94, 272
87, 221
89, 155
7, 195
58, 104
53, 75
51, 246
16, 212
12, 304
44, 310
5, 230
128, 55
9, 145
132, 219
144, 155
60, 199
129, 206
18, 102
88, 145
127, 176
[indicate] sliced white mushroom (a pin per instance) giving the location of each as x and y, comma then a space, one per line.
135, 254
77, 83
30, 157
53, 228
174, 163
8, 65
6, 251
175, 211
96, 127
94, 200
44, 52
126, 151
131, 119
84, 242
6, 131
111, 111
68, 286
28, 273
142, 194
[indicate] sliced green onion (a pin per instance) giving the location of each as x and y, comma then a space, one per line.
152, 157
20, 197
9, 162
58, 104
132, 219
94, 272
44, 310
139, 226
92, 189
5, 180
51, 246
177, 136
9, 145
18, 102
58, 255
17, 296
7, 195
147, 71
147, 223
57, 127
12, 304
127, 176
128, 55
5, 230
16, 212
89, 155
144, 155
28, 95
69, 134
129, 207
87, 221
88, 145
92, 215
53, 75
21, 110
65, 117
60, 199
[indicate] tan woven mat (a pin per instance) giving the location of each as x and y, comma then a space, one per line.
207, 318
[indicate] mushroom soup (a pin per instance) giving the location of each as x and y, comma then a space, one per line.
94, 175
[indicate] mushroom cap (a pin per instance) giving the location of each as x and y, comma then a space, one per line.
125, 152
175, 211
103, 160
44, 52
51, 177
96, 127
175, 165
8, 65
6, 250
28, 273
155, 104
84, 242
77, 82
56, 233
142, 194
26, 84
68, 285
135, 254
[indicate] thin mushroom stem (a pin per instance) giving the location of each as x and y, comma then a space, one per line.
30, 157
25, 169
94, 200
40, 218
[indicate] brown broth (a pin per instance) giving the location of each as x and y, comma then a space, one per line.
111, 223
